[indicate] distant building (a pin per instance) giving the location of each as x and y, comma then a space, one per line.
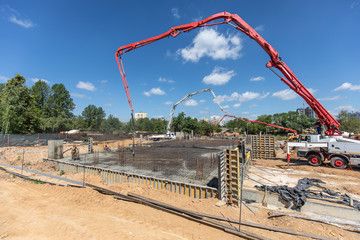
140, 115
308, 112
354, 114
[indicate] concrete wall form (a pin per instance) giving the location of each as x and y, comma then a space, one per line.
113, 176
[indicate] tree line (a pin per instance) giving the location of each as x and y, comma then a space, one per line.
45, 109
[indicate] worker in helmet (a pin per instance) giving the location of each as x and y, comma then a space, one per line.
106, 148
75, 153
318, 126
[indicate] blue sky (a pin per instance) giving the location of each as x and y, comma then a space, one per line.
74, 43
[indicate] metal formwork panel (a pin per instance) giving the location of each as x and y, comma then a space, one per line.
263, 147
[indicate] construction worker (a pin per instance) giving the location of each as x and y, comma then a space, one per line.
318, 126
106, 148
75, 153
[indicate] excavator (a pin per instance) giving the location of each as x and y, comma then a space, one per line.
331, 147
292, 136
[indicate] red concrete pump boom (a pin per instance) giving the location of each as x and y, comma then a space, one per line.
253, 121
332, 126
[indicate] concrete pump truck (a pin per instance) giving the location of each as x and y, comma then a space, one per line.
331, 147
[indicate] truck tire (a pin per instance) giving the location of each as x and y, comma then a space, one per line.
339, 162
314, 160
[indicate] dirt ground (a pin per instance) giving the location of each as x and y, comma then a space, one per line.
42, 211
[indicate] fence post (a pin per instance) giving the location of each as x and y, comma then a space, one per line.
39, 139
8, 139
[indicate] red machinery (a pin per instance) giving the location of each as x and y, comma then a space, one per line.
332, 126
253, 121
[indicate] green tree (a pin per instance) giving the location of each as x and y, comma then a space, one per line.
348, 123
191, 125
93, 116
40, 92
2, 86
19, 113
111, 125
59, 103
178, 122
57, 111
206, 128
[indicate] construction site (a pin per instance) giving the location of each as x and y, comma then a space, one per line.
181, 185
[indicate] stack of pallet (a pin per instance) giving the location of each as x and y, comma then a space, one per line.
263, 147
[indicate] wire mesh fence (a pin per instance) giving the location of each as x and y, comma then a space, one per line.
8, 140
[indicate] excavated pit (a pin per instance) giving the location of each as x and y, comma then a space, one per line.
189, 161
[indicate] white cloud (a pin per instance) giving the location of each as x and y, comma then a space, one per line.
329, 98
256, 79
202, 101
236, 105
154, 91
226, 107
34, 80
191, 103
312, 91
208, 42
26, 23
259, 28
247, 96
103, 81
168, 102
77, 95
3, 78
86, 85
218, 77
175, 13
347, 86
286, 94
265, 95
165, 80
244, 97
108, 104
204, 112
245, 113
348, 108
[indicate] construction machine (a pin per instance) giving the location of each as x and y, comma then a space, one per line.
169, 134
332, 146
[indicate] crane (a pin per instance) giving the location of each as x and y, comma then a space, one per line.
332, 147
289, 78
186, 97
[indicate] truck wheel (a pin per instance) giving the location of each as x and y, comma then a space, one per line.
339, 162
314, 160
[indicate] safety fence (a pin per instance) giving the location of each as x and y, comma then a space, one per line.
8, 140
114, 176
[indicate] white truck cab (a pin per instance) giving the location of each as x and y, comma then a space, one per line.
317, 149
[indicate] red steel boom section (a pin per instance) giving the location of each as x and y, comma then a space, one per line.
253, 121
275, 61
